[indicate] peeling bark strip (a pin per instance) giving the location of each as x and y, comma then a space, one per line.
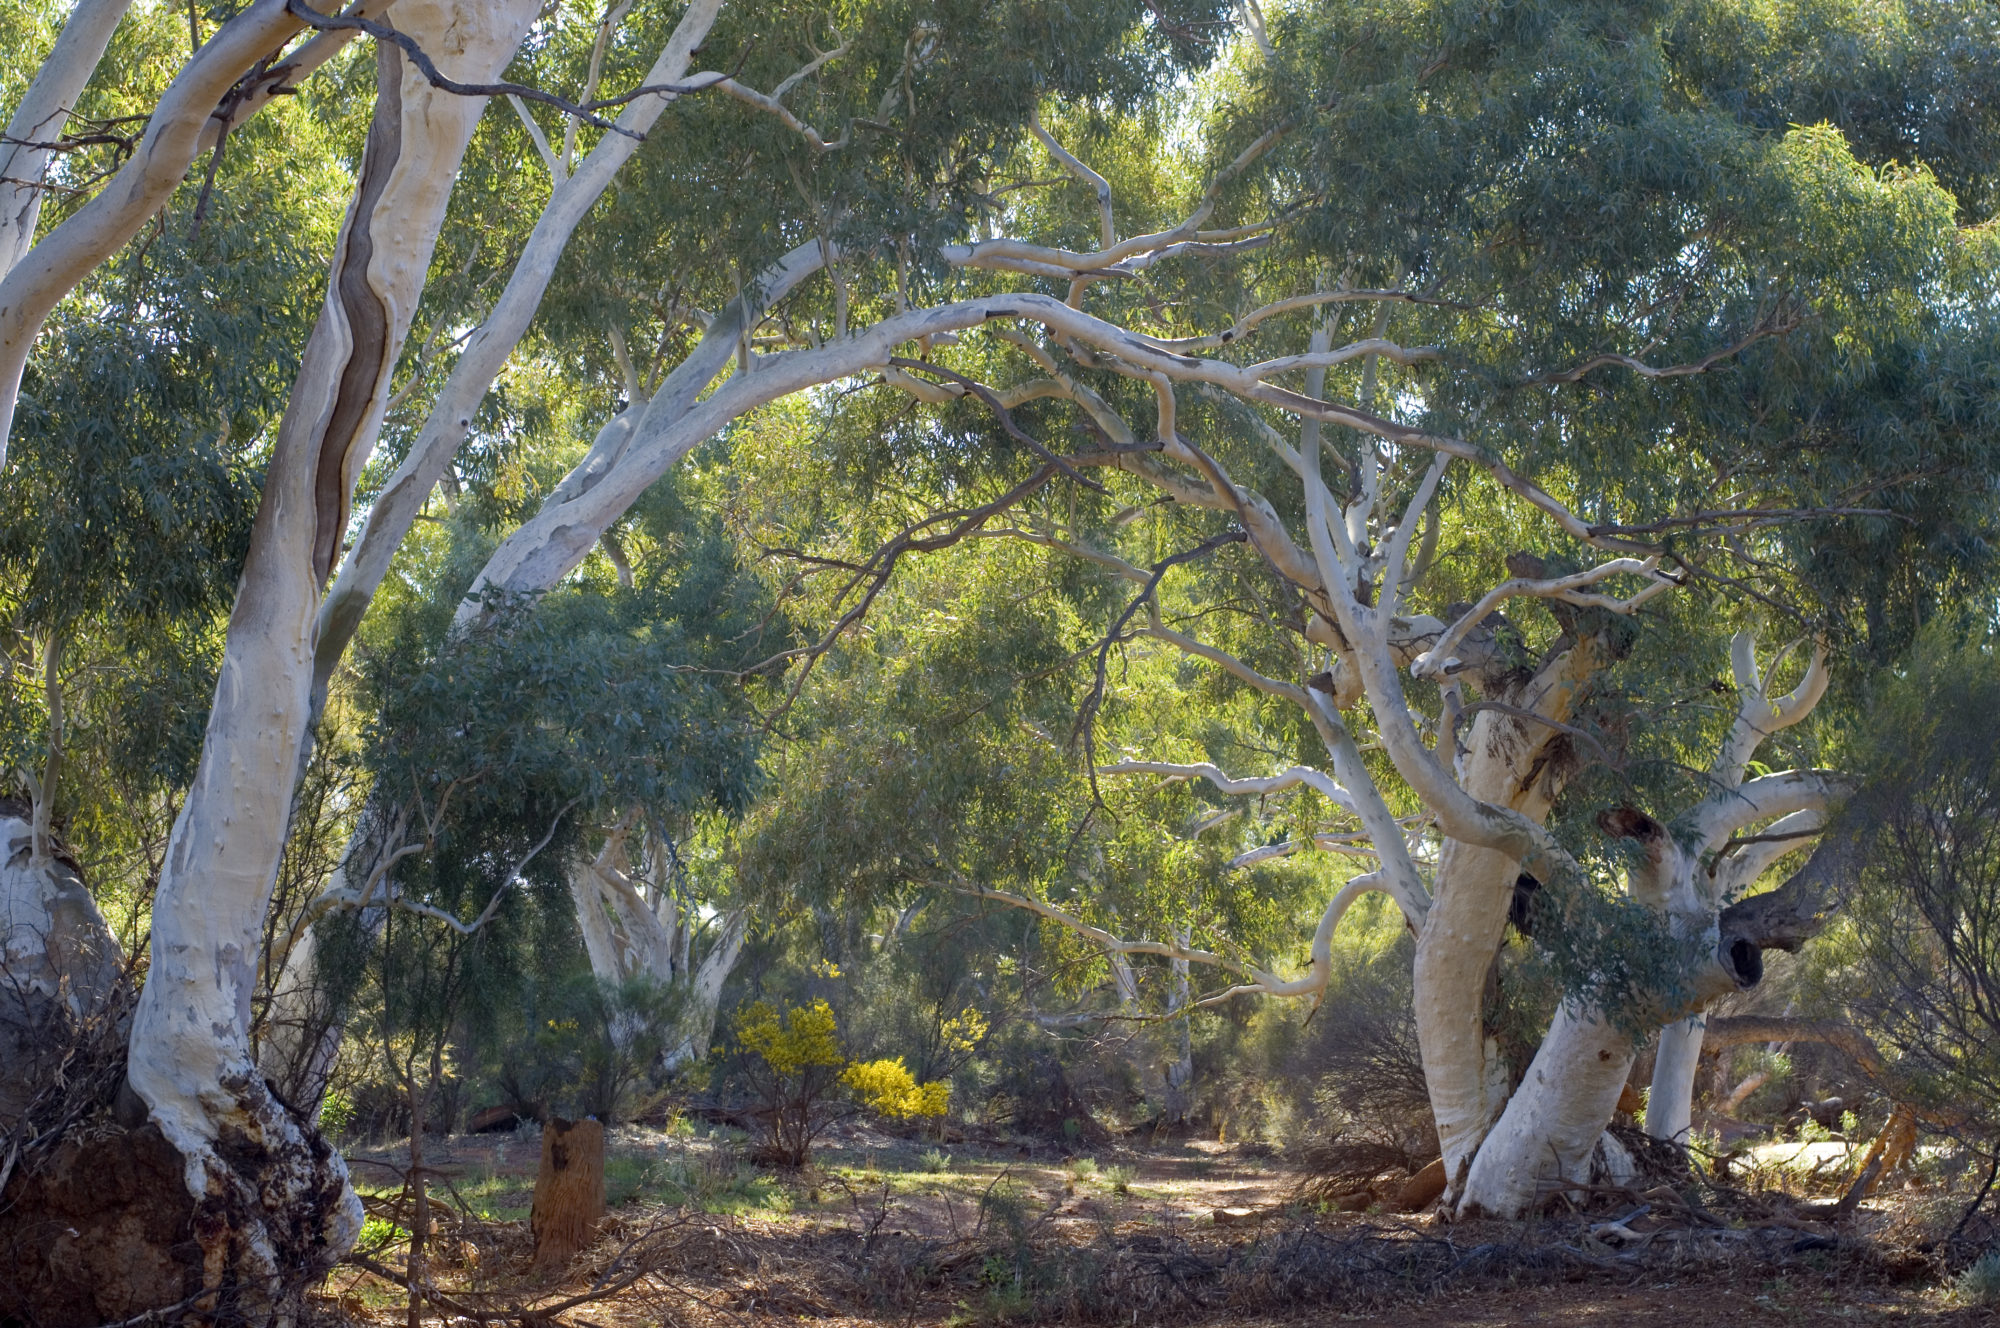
184, 121
373, 340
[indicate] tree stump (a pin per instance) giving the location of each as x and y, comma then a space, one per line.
569, 1192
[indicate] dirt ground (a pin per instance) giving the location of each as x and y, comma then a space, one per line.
889, 1231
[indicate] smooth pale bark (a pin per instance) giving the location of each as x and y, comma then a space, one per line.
624, 462
27, 148
182, 123
191, 1061
450, 419
608, 452
626, 937
1468, 916
1670, 1103
1546, 1136
1552, 1131
1765, 921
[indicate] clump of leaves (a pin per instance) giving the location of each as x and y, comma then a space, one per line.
1979, 1284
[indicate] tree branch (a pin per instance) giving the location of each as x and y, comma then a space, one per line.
1290, 777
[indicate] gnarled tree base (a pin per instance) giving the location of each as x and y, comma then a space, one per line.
102, 1227
103, 1230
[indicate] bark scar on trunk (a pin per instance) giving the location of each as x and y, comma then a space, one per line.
367, 316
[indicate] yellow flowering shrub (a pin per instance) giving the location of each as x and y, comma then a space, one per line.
796, 1064
793, 1060
963, 1031
793, 1040
889, 1089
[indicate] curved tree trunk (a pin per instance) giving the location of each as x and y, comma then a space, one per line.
184, 121
1507, 764
1552, 1131
268, 1204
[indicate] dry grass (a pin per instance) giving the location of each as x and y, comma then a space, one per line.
1022, 1256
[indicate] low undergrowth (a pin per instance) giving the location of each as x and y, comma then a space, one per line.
1016, 1264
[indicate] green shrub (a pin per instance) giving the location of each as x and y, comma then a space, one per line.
1980, 1284
336, 1113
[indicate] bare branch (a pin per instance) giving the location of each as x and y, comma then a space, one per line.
1438, 660
1759, 714
1780, 323
1042, 260
1353, 846
1290, 777
1087, 712
1711, 820
1249, 323
1014, 431
1097, 183
1115, 944
1202, 650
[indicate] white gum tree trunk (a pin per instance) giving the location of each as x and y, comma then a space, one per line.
305, 1067
1474, 890
1676, 1057
628, 935
1670, 1103
1552, 1130
190, 1060
1549, 1135
28, 147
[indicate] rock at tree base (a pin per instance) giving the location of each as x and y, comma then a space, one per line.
569, 1192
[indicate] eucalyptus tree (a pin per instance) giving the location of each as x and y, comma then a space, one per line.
267, 1202
1670, 346
1669, 336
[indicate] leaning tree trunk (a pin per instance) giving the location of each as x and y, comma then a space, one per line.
38, 122
262, 1203
1552, 1134
209, 97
